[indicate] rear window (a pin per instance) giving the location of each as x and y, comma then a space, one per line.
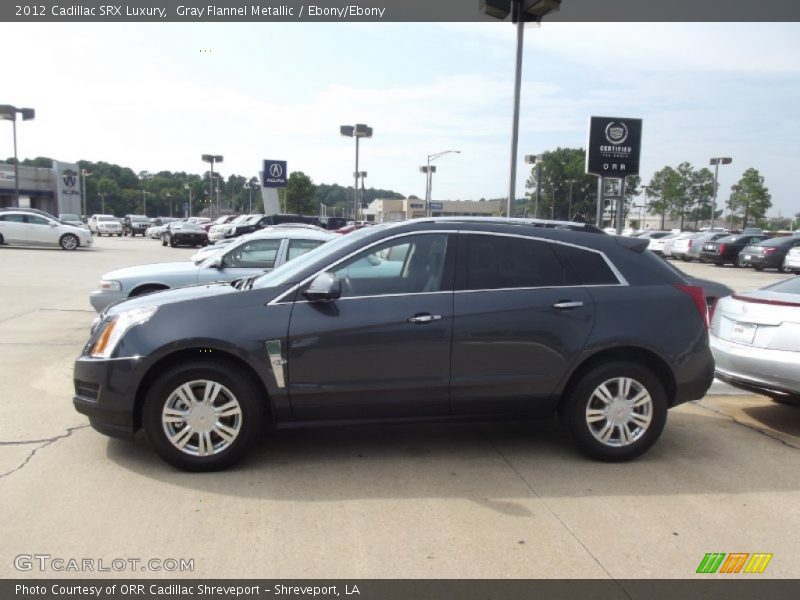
585, 267
498, 262
779, 241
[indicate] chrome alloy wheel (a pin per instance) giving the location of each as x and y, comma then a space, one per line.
619, 412
201, 418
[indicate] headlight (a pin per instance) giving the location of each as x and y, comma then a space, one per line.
117, 327
106, 285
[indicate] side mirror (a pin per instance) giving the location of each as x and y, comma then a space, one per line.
216, 263
53, 224
325, 287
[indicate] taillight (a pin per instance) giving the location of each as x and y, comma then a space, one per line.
696, 292
722, 248
690, 243
769, 250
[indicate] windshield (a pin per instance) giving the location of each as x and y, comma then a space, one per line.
140, 219
189, 226
106, 218
68, 218
778, 241
788, 286
289, 272
239, 219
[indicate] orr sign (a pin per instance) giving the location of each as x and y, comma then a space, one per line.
613, 147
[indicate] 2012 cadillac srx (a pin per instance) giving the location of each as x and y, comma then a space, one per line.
422, 319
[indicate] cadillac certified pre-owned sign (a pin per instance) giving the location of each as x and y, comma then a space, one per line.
275, 173
613, 148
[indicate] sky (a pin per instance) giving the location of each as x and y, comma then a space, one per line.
156, 96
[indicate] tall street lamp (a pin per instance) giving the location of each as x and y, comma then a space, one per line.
521, 11
360, 200
144, 201
169, 198
102, 196
9, 113
358, 131
722, 160
569, 206
533, 159
212, 158
429, 171
187, 187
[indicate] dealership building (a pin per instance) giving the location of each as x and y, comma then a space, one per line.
55, 190
384, 210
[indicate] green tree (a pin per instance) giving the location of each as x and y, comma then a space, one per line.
750, 197
300, 194
559, 167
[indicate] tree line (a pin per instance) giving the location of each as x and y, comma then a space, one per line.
561, 189
118, 190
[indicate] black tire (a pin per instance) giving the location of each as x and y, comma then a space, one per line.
69, 241
173, 243
163, 241
581, 397
2, 241
236, 386
759, 269
783, 269
119, 235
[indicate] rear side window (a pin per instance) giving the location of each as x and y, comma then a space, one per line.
585, 267
299, 247
498, 262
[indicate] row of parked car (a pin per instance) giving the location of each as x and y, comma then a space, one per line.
750, 249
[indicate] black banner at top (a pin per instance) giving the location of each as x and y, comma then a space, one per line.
389, 11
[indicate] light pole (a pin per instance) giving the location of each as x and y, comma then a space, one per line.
212, 158
360, 199
144, 201
169, 199
9, 113
84, 175
533, 159
186, 186
722, 160
521, 11
429, 171
358, 131
102, 196
569, 206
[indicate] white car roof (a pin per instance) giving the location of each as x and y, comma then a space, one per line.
292, 233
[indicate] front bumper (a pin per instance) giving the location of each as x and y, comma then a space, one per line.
105, 391
756, 368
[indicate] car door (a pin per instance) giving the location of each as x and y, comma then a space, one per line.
383, 348
12, 227
252, 257
519, 322
40, 231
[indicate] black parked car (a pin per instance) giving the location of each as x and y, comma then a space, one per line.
183, 233
135, 224
422, 319
726, 250
769, 254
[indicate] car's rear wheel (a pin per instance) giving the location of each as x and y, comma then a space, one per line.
68, 241
202, 415
784, 269
616, 411
2, 241
758, 268
173, 243
163, 241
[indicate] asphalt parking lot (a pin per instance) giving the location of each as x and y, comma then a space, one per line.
496, 500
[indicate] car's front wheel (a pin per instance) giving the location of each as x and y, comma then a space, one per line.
68, 241
616, 411
202, 415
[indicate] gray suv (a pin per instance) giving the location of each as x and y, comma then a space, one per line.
423, 319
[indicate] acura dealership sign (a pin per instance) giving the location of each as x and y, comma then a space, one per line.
613, 148
274, 173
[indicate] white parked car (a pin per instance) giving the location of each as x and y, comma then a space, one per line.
792, 261
105, 225
657, 244
20, 227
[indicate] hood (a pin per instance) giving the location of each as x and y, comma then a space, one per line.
153, 270
172, 296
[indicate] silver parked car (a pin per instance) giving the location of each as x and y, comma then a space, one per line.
255, 255
755, 338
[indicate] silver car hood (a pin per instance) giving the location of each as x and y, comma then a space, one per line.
185, 268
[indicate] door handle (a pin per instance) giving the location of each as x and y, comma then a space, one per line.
424, 318
564, 304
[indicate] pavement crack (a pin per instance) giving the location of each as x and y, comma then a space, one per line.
555, 515
766, 433
43, 443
